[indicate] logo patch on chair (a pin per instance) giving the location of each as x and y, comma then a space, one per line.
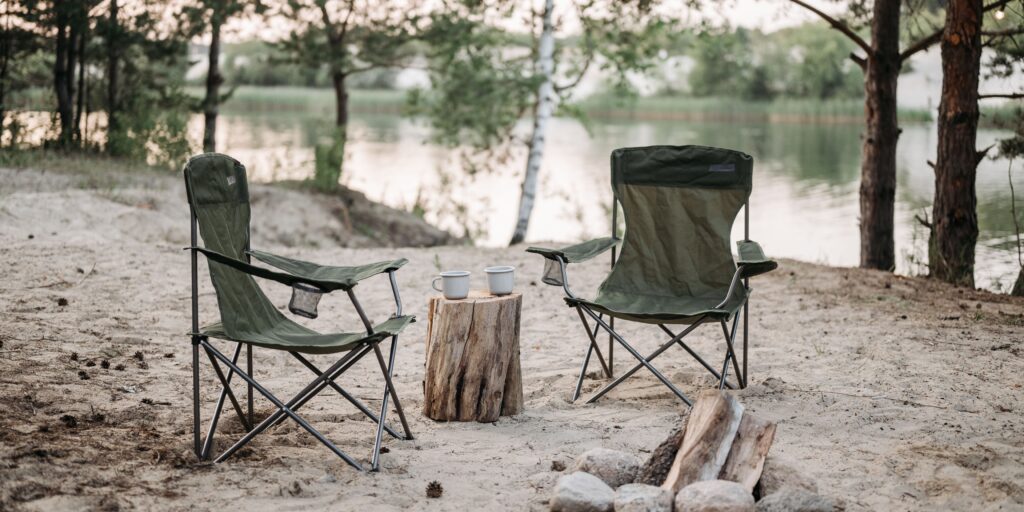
231, 180
722, 168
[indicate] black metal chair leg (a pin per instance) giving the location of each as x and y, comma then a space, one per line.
196, 438
640, 358
282, 408
593, 342
729, 338
695, 355
248, 369
227, 387
583, 373
394, 392
389, 392
344, 394
348, 361
208, 443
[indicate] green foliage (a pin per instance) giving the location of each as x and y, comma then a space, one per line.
348, 37
484, 78
330, 156
723, 60
152, 108
808, 61
482, 83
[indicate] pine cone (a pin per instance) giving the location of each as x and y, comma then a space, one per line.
434, 489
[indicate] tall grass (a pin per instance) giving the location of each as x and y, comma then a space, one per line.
250, 99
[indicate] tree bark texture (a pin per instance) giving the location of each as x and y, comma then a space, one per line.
113, 58
545, 107
211, 103
63, 59
340, 99
878, 151
954, 210
83, 37
472, 359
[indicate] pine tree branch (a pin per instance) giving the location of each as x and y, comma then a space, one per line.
1009, 95
838, 25
931, 39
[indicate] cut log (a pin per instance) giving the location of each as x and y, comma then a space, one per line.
749, 450
659, 464
472, 358
707, 441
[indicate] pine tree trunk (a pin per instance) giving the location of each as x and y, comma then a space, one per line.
954, 211
340, 99
213, 81
61, 80
1018, 287
545, 106
113, 125
878, 153
80, 104
6, 49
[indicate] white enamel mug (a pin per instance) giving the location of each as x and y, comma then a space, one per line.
454, 284
500, 280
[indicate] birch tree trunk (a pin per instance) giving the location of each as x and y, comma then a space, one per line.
545, 106
954, 212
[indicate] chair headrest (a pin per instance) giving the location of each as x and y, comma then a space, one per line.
213, 178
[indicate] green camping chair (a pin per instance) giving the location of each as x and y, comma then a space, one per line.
218, 195
675, 266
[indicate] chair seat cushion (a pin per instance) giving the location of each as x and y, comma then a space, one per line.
290, 336
658, 309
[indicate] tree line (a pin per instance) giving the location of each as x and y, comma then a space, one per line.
495, 62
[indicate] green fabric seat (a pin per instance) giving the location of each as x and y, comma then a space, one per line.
218, 192
674, 264
658, 309
218, 195
288, 335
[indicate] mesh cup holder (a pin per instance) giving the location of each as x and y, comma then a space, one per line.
305, 298
552, 273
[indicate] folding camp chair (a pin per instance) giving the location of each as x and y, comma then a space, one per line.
219, 199
675, 266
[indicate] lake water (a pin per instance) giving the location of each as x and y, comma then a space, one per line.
804, 204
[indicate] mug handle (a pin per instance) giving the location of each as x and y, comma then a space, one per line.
433, 284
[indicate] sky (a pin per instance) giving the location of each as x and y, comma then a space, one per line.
767, 15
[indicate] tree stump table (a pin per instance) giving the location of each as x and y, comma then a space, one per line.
472, 358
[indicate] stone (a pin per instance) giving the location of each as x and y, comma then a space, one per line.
779, 473
642, 498
792, 499
582, 492
714, 496
614, 467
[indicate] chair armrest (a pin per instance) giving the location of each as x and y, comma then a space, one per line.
248, 268
579, 252
752, 261
343, 278
326, 278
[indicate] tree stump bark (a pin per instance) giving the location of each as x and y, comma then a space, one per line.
472, 358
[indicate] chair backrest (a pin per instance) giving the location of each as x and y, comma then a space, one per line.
679, 204
218, 193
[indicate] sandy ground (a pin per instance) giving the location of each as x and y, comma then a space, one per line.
891, 393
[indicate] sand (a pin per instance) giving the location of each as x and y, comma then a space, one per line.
891, 393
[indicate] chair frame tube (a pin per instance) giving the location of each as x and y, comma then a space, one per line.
738, 280
323, 380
